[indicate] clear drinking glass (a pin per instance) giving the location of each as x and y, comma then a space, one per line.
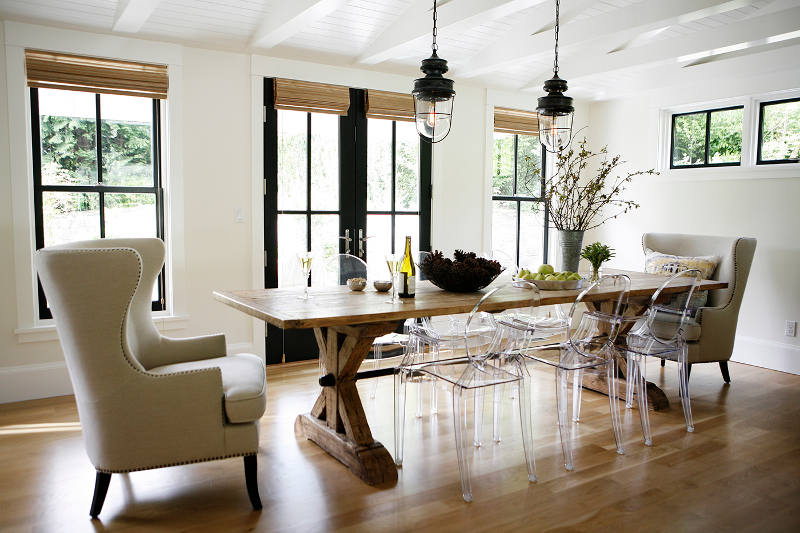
393, 262
305, 266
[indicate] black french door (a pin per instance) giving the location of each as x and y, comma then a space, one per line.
337, 184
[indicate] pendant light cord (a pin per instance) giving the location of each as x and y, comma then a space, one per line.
555, 61
434, 46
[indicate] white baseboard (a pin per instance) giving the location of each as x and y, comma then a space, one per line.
767, 354
30, 382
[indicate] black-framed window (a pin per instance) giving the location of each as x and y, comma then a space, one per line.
322, 185
395, 185
709, 138
519, 215
779, 132
96, 170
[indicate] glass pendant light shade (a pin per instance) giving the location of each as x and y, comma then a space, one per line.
433, 110
433, 95
555, 131
555, 116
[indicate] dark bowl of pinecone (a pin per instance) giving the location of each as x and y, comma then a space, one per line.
466, 272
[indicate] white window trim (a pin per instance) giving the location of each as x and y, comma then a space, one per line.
18, 36
748, 169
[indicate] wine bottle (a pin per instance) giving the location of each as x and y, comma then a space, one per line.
408, 273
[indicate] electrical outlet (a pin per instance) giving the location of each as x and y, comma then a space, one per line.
790, 328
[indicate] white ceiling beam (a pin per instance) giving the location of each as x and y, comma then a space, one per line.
417, 22
738, 36
289, 18
642, 17
132, 14
567, 14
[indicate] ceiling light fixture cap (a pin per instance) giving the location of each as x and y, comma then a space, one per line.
555, 103
434, 86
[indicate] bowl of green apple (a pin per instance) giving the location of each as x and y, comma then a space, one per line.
547, 279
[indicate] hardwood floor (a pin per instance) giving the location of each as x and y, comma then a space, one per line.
740, 470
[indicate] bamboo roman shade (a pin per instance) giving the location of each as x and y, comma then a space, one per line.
311, 97
391, 106
516, 121
54, 70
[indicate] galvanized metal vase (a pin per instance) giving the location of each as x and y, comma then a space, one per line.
571, 245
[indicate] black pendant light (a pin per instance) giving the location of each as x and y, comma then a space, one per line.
433, 95
555, 110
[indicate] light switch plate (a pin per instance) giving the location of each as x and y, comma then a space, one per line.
790, 329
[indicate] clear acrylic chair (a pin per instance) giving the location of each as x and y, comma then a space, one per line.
525, 327
661, 334
475, 370
589, 347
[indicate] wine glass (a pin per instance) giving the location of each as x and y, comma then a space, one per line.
305, 266
393, 262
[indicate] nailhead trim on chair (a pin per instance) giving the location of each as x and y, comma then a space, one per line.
149, 375
127, 308
735, 276
187, 462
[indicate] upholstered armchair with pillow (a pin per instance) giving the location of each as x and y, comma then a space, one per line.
145, 401
712, 331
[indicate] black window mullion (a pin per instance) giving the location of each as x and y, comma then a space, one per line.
546, 209
99, 144
708, 135
516, 148
308, 184
519, 219
394, 177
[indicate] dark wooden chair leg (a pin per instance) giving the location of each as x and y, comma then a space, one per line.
251, 479
723, 366
663, 362
100, 489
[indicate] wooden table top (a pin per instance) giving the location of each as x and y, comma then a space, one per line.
338, 306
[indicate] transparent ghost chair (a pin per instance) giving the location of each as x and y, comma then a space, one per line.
662, 334
589, 347
338, 269
526, 327
444, 338
475, 370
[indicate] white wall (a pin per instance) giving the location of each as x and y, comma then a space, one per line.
219, 166
215, 171
755, 202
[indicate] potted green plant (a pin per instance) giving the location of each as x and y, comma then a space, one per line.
580, 199
597, 254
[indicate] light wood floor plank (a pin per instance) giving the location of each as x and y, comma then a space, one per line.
740, 470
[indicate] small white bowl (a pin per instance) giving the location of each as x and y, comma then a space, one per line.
356, 284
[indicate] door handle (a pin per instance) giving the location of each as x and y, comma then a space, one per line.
347, 240
361, 240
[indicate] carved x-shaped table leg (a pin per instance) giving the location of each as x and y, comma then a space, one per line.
337, 422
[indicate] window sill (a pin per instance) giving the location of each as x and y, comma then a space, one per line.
46, 331
782, 171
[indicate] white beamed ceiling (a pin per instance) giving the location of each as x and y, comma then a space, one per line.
496, 43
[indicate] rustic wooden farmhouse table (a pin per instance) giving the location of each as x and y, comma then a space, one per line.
346, 323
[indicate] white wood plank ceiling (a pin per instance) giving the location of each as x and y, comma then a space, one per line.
606, 45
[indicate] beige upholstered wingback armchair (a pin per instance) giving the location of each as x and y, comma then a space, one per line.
711, 335
145, 401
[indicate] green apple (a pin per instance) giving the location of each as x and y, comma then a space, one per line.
546, 269
550, 277
574, 276
538, 277
562, 276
